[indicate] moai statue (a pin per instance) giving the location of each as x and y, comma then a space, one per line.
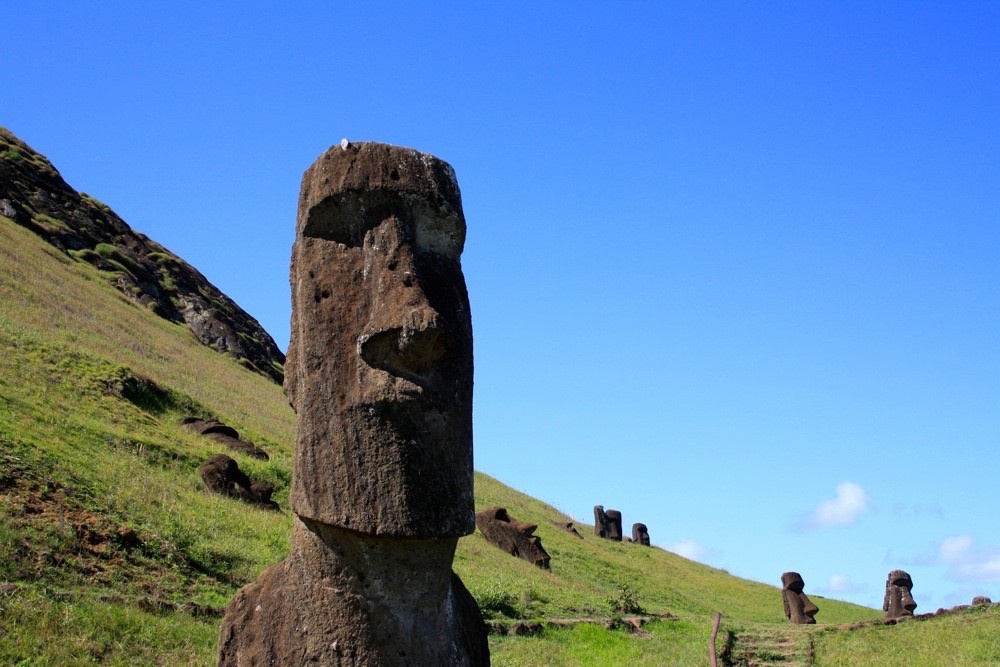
379, 371
798, 607
898, 601
607, 524
514, 537
640, 534
614, 525
600, 521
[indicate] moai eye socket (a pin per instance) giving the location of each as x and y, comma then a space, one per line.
345, 217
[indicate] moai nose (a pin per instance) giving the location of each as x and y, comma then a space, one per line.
908, 603
405, 335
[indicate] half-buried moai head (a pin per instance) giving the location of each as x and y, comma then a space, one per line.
898, 602
640, 534
798, 607
607, 524
614, 525
379, 365
514, 537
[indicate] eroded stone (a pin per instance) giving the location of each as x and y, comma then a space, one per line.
514, 537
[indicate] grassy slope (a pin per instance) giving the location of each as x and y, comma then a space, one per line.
78, 463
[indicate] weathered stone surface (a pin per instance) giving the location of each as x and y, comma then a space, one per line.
607, 524
343, 598
514, 537
222, 475
614, 525
980, 600
34, 195
568, 527
380, 374
640, 534
379, 365
225, 435
799, 608
898, 602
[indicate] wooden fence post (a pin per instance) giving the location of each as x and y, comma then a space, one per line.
711, 644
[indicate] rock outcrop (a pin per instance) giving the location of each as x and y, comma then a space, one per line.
35, 196
379, 372
513, 536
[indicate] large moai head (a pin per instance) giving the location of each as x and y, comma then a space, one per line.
898, 601
614, 525
798, 607
379, 365
600, 521
515, 537
640, 534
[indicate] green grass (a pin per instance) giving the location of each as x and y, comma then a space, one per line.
970, 637
91, 391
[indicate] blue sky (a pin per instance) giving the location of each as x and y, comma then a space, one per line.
733, 267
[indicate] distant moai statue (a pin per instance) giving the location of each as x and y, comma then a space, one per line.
513, 536
981, 600
607, 524
379, 372
798, 607
640, 535
614, 525
898, 601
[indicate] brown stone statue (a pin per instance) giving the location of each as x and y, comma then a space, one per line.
640, 534
379, 371
516, 538
607, 524
898, 601
798, 607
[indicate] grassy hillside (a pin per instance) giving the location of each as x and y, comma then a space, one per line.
112, 553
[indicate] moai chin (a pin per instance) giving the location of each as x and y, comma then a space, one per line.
898, 601
798, 607
379, 372
640, 534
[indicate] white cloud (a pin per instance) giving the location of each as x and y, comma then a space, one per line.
841, 583
850, 503
966, 562
689, 549
954, 548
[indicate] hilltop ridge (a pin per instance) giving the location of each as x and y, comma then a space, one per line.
34, 195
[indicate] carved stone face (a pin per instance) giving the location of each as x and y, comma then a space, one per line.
798, 607
380, 363
640, 534
513, 536
898, 601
